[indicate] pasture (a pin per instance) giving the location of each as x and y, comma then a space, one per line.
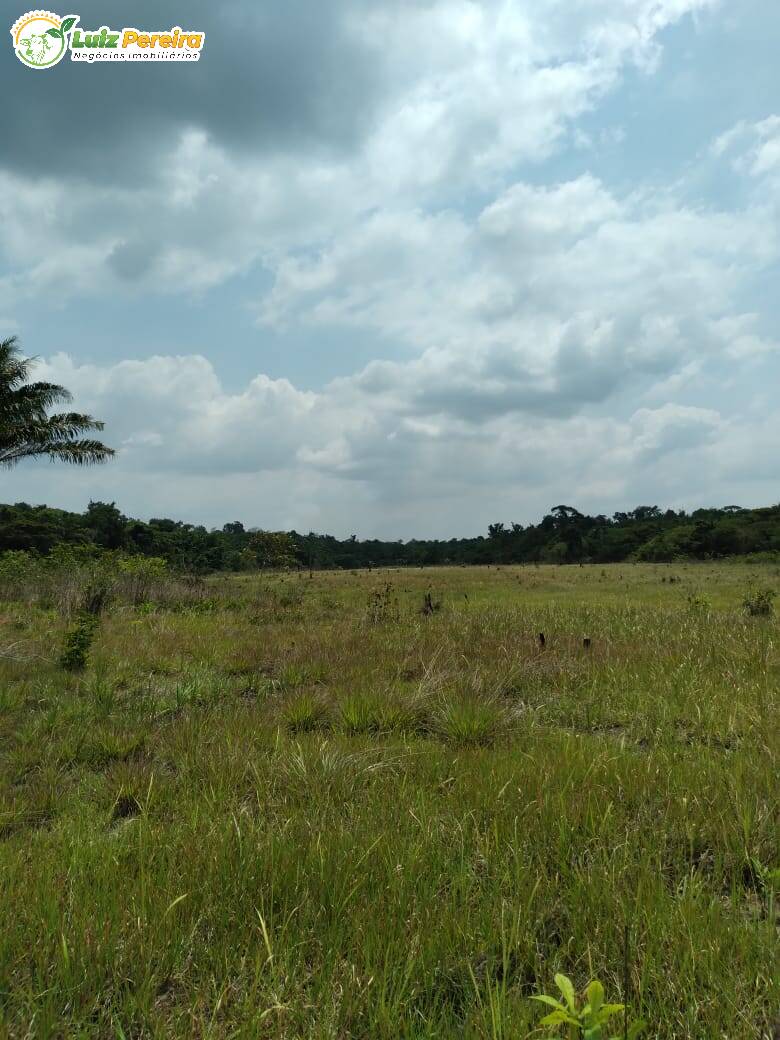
294, 806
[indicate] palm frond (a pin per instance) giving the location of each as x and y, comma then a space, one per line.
14, 369
27, 431
32, 398
64, 425
83, 452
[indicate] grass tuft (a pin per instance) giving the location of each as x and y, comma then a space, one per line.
469, 721
304, 713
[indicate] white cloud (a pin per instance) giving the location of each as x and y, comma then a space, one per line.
547, 299
468, 92
754, 147
506, 310
342, 460
171, 414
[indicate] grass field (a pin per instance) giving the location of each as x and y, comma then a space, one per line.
298, 807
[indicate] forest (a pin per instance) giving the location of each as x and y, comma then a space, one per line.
564, 535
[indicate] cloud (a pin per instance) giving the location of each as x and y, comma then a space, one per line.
171, 414
313, 77
754, 149
419, 178
548, 299
297, 123
270, 454
671, 429
273, 78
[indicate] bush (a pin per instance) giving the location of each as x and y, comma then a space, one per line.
137, 575
383, 605
758, 602
78, 642
698, 602
588, 1020
15, 566
72, 579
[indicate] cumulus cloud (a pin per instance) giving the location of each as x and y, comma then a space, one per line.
340, 110
269, 453
390, 171
548, 299
171, 414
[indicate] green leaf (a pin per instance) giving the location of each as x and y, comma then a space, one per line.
595, 995
596, 1018
556, 1018
566, 987
68, 23
551, 1001
611, 1009
54, 32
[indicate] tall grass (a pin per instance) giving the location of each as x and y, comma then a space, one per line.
286, 822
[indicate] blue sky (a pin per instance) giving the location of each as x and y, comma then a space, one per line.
406, 268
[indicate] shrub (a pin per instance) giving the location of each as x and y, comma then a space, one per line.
15, 566
383, 605
137, 575
758, 602
78, 642
698, 602
589, 1021
95, 597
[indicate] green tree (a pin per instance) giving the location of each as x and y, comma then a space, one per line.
270, 549
106, 523
26, 428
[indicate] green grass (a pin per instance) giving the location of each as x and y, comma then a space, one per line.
290, 816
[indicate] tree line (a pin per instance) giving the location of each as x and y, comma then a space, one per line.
564, 535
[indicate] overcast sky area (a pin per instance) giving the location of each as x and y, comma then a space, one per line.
405, 267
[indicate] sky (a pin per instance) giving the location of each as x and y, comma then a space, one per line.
404, 268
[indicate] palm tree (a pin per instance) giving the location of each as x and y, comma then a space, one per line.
26, 430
